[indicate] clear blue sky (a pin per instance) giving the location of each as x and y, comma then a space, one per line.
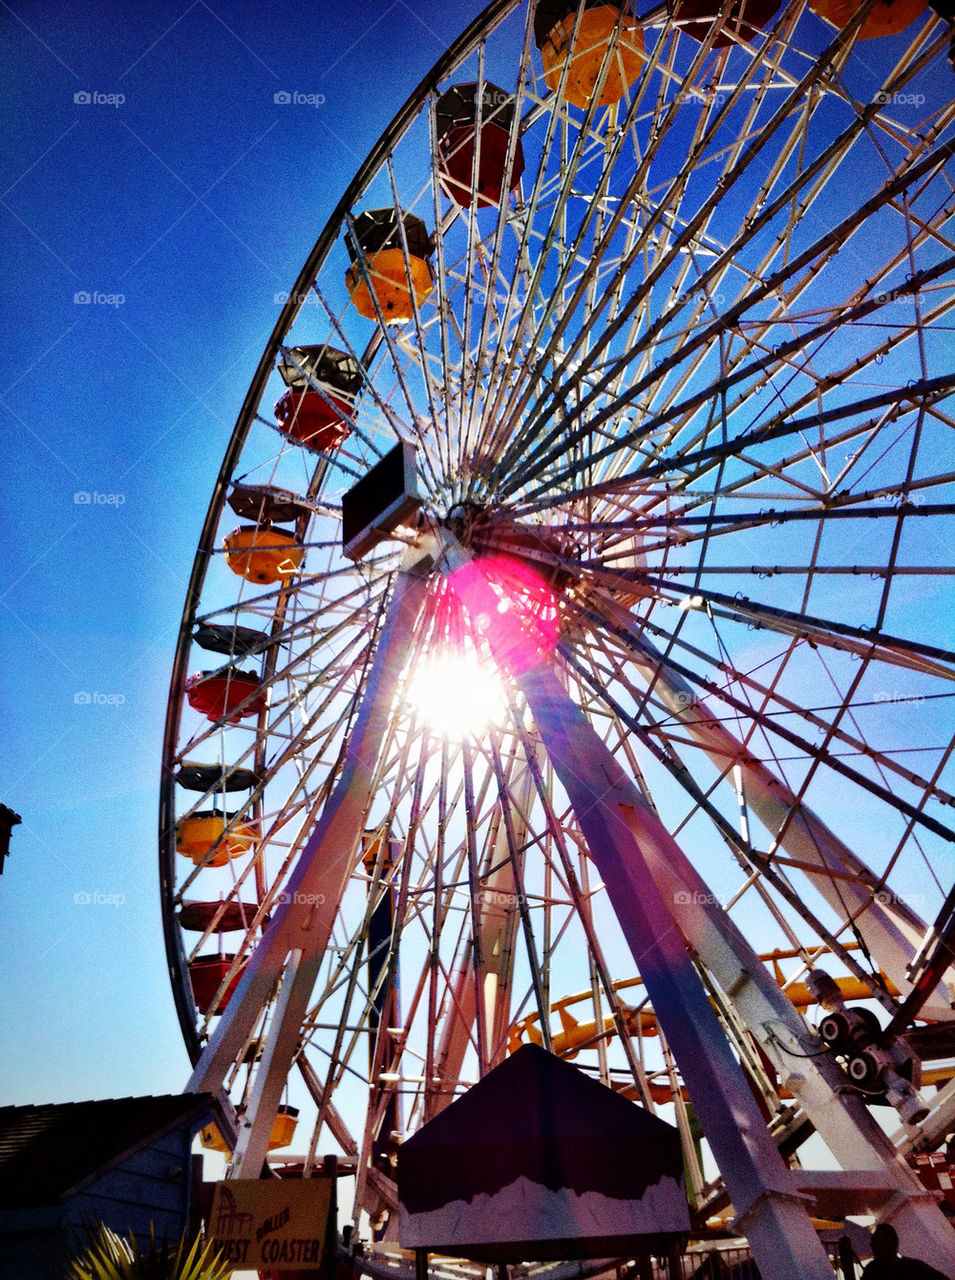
151, 171
180, 210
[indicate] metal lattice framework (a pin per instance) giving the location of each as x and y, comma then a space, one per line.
686, 393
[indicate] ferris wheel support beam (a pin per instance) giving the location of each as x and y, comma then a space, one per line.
618, 825
841, 1119
660, 900
301, 925
891, 930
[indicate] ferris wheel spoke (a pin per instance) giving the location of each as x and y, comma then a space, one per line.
464, 417
894, 650
895, 402
555, 302
636, 191
331, 1116
617, 490
758, 366
693, 528
420, 345
770, 284
570, 255
501, 374
678, 244
658, 348
777, 704
818, 754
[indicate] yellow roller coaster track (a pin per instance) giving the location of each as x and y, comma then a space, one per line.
574, 1035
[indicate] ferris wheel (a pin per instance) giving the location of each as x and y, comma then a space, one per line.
580, 670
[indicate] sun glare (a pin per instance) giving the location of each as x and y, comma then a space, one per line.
456, 694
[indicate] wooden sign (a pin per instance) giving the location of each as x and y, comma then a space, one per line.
277, 1223
935, 1173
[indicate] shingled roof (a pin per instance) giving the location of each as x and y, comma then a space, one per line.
48, 1153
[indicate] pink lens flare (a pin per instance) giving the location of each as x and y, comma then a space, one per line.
512, 607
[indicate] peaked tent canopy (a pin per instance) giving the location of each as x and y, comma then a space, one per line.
539, 1161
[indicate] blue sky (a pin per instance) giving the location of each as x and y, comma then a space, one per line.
149, 168
156, 199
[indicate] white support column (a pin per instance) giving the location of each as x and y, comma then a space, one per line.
840, 1117
618, 827
255, 1126
302, 923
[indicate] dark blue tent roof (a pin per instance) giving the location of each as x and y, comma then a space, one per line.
537, 1117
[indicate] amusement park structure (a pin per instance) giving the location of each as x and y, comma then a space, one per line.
580, 670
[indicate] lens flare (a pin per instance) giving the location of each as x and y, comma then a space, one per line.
526, 604
457, 690
456, 694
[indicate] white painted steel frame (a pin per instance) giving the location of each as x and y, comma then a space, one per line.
533, 326
665, 906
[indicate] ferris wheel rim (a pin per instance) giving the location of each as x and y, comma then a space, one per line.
175, 956
247, 415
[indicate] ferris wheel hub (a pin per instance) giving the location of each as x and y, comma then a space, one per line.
588, 445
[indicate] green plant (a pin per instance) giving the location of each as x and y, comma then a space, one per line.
108, 1256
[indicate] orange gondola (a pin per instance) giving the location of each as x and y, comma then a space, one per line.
886, 18
555, 23
383, 282
199, 832
263, 555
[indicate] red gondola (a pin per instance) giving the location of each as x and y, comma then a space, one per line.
456, 113
206, 974
320, 419
745, 19
218, 694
